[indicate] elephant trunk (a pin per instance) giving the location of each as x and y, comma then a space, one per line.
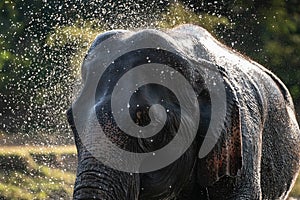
94, 180
97, 181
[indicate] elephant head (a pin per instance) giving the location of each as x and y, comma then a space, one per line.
177, 115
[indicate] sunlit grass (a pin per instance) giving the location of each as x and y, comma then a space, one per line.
24, 177
24, 150
11, 191
18, 185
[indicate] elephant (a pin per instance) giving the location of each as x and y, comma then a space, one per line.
238, 134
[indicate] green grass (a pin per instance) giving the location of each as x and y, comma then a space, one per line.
32, 172
29, 172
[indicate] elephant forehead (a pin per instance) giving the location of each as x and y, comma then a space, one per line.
111, 47
105, 49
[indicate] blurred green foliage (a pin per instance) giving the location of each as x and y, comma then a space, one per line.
43, 42
178, 14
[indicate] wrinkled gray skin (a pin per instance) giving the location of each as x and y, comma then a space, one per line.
257, 156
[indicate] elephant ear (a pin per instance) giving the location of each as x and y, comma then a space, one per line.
225, 159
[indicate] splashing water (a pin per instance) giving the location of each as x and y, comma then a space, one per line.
45, 44
41, 55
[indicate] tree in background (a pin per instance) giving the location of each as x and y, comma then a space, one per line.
43, 42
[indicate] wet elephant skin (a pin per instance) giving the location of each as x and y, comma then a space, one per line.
257, 155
